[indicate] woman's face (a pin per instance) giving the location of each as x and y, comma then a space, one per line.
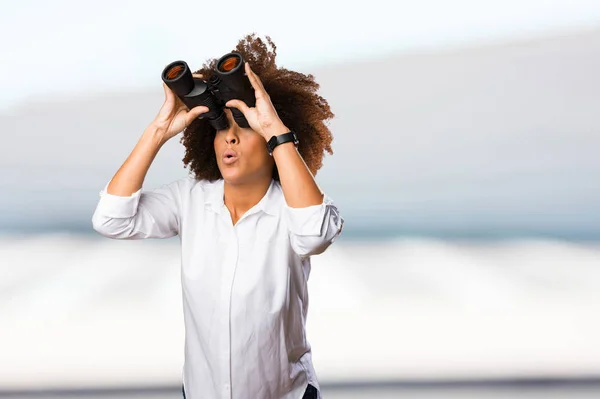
242, 154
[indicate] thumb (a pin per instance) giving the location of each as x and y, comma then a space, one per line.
194, 113
239, 104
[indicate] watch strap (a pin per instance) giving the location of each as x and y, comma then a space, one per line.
281, 139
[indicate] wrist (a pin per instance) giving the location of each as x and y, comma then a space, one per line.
280, 140
275, 130
156, 133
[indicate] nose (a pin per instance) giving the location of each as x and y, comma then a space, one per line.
231, 136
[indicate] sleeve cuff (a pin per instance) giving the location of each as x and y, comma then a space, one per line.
307, 221
115, 206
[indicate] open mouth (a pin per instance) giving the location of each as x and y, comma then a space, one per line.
229, 157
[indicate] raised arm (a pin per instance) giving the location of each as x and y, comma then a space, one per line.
124, 210
314, 221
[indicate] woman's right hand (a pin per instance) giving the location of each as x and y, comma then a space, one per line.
174, 116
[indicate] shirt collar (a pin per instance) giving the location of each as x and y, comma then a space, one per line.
270, 203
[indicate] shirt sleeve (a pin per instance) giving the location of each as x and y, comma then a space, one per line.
144, 214
314, 228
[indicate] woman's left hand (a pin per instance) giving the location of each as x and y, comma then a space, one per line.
262, 117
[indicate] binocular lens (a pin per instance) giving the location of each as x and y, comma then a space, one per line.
228, 83
229, 63
175, 71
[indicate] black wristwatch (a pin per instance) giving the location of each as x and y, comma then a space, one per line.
282, 138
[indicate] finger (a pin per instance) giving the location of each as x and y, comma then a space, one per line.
194, 113
254, 80
197, 111
239, 104
198, 75
168, 92
254, 76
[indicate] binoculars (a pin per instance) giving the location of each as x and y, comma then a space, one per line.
229, 82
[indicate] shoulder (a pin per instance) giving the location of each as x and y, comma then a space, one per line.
191, 183
200, 190
274, 199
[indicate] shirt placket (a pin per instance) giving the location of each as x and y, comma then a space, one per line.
227, 276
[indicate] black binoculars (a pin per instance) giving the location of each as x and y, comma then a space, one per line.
229, 82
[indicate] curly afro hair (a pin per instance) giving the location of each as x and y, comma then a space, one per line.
294, 96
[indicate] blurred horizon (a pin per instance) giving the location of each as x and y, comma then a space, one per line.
484, 163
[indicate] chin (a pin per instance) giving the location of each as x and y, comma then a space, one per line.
232, 176
237, 176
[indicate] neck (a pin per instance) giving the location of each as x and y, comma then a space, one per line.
239, 198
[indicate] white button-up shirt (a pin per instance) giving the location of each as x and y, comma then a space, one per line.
245, 296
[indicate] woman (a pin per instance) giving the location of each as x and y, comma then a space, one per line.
248, 223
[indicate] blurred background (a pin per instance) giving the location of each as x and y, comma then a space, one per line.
465, 166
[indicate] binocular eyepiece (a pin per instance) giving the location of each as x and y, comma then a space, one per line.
229, 82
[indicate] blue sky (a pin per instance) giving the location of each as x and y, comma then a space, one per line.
62, 47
